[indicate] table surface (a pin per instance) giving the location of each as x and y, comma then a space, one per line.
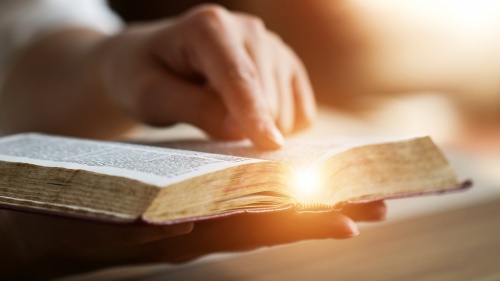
453, 237
458, 244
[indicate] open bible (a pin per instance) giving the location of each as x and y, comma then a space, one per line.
126, 182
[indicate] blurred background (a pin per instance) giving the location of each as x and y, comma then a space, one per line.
420, 64
379, 68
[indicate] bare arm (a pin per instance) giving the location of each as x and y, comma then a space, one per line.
55, 87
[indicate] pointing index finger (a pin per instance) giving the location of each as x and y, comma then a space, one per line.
223, 59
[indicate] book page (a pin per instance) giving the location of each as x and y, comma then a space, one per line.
152, 165
306, 158
298, 154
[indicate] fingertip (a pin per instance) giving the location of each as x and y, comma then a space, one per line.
268, 137
371, 211
343, 227
352, 229
261, 129
329, 225
178, 229
379, 211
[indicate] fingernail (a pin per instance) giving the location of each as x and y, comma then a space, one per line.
178, 229
353, 229
273, 135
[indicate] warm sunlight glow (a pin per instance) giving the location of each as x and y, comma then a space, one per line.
307, 184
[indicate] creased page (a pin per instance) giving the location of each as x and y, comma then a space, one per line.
297, 154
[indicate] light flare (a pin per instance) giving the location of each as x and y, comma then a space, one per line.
307, 184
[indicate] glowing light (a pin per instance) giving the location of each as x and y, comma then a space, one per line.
307, 183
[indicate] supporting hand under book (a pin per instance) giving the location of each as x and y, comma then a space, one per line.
221, 71
53, 246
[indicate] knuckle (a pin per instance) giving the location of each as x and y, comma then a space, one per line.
206, 22
253, 27
242, 73
209, 13
254, 23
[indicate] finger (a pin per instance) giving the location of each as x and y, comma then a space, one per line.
260, 47
286, 117
371, 211
70, 234
166, 98
99, 234
246, 232
251, 231
222, 57
305, 104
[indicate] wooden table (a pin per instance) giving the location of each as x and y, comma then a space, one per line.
451, 242
459, 244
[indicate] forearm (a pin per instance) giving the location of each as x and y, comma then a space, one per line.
55, 85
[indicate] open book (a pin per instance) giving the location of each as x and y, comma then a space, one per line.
125, 182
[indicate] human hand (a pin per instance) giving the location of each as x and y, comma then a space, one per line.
220, 71
53, 246
252, 231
